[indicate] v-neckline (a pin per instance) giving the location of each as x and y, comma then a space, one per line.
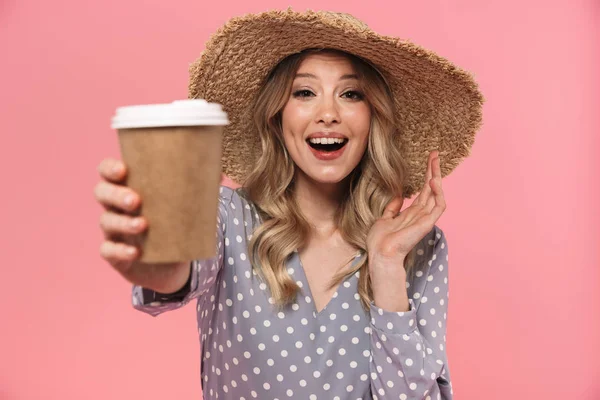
309, 291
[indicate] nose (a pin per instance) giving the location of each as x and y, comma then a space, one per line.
328, 112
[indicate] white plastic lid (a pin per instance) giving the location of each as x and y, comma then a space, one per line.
191, 112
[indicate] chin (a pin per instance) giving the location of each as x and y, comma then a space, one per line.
336, 177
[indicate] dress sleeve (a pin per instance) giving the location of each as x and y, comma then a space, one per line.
408, 357
203, 273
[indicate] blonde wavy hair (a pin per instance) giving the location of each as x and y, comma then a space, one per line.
378, 177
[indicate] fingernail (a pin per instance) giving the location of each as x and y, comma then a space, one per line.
129, 200
116, 169
130, 251
135, 223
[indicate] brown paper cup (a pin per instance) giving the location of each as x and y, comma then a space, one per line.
177, 172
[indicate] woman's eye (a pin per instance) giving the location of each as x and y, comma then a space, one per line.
353, 94
303, 93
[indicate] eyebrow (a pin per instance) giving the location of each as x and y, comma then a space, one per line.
311, 76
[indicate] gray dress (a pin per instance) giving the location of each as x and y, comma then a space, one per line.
251, 351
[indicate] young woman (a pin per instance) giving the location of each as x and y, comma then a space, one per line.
321, 288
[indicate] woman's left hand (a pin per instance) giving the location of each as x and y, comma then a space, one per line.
394, 235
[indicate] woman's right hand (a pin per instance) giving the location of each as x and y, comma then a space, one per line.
117, 220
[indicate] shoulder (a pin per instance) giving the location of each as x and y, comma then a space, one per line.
236, 208
233, 199
431, 265
431, 249
434, 239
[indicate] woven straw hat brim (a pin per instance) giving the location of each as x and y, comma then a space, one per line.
438, 105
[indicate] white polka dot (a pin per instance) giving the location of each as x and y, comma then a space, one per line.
298, 344
293, 368
412, 386
409, 362
307, 359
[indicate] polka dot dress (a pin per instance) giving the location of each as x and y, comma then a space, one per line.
249, 350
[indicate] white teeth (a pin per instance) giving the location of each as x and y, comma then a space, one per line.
326, 140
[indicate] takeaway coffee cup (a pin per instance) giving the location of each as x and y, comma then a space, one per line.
173, 157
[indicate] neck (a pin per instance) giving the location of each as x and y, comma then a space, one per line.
319, 202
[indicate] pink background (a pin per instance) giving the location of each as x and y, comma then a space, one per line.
522, 223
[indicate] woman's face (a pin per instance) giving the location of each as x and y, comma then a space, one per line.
326, 105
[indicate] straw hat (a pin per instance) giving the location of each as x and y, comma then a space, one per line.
438, 105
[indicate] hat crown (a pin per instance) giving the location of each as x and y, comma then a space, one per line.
347, 18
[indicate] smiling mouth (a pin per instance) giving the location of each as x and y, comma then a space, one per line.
327, 147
